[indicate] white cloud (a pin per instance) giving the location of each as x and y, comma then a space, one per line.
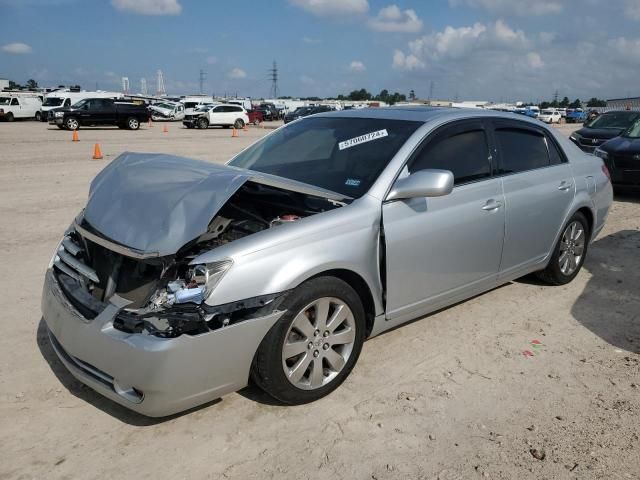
534, 60
357, 67
149, 7
515, 7
17, 48
406, 62
392, 19
306, 80
311, 40
237, 74
212, 60
329, 8
626, 50
632, 9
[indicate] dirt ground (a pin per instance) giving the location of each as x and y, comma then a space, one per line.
451, 396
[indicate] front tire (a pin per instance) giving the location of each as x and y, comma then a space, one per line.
9, 117
569, 253
314, 346
203, 123
133, 123
72, 124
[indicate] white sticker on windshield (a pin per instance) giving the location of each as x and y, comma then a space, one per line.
367, 137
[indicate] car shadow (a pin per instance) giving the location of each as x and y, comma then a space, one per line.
609, 305
85, 393
626, 195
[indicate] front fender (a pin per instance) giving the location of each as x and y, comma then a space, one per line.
329, 241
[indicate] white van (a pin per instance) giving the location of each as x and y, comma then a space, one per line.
243, 102
19, 105
192, 102
67, 97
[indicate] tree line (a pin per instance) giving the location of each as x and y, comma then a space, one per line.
566, 103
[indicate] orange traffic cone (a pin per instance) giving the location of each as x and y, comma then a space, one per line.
150, 122
245, 127
97, 154
234, 132
165, 129
74, 137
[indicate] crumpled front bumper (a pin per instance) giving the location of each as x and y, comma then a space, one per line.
150, 375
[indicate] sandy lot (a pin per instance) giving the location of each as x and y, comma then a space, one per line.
451, 396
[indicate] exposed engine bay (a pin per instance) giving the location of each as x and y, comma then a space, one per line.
165, 294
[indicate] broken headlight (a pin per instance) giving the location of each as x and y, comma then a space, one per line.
199, 282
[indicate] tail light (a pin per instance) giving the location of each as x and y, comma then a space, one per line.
606, 172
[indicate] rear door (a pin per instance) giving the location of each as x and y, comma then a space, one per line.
539, 189
440, 248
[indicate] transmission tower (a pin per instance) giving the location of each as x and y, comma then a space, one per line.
201, 78
160, 91
125, 84
143, 86
273, 76
431, 86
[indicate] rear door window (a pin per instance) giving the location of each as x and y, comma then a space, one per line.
461, 149
521, 149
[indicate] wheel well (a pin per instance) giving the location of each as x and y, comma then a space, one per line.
362, 289
589, 216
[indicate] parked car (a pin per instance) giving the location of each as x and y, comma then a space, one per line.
550, 115
621, 155
67, 97
269, 111
181, 279
193, 102
217, 115
167, 111
255, 116
99, 111
602, 128
576, 116
526, 112
305, 112
19, 106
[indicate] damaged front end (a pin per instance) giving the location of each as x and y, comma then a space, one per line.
165, 294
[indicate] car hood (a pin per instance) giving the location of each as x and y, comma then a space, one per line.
622, 145
156, 204
600, 132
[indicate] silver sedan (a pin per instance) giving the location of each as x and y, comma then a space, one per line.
182, 280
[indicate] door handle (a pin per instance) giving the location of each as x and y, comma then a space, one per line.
491, 205
564, 185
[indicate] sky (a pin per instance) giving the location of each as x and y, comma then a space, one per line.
497, 50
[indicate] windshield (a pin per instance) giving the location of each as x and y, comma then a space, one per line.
344, 155
204, 108
5, 100
191, 104
614, 120
634, 131
301, 110
52, 102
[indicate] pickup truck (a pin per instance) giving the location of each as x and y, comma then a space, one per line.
576, 116
99, 111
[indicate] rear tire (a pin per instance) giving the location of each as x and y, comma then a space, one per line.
319, 354
38, 116
569, 253
239, 123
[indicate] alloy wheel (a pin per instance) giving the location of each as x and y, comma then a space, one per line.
571, 248
318, 343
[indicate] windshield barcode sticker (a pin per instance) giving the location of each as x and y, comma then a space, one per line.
367, 137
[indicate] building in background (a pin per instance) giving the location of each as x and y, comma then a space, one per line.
4, 84
632, 103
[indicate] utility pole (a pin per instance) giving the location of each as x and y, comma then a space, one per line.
273, 76
160, 91
431, 87
201, 78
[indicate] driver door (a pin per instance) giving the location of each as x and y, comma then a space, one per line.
443, 249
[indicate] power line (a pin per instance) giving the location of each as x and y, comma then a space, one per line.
273, 77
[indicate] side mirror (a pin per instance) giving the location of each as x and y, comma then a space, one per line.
424, 183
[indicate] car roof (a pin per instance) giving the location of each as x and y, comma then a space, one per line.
426, 114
